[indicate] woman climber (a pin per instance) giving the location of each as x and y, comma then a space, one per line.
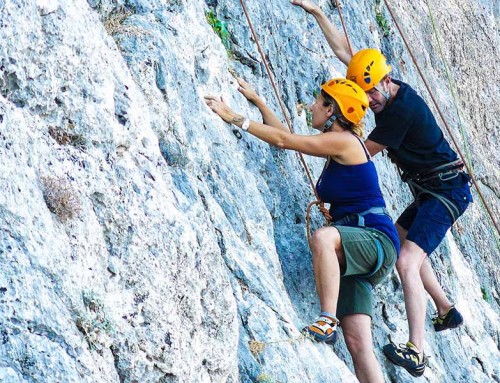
359, 248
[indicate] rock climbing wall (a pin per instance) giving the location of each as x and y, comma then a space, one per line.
142, 241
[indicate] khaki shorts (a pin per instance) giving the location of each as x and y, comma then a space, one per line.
361, 255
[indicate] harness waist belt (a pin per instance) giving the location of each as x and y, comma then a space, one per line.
360, 217
444, 172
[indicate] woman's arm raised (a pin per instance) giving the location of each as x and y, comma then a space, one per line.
320, 145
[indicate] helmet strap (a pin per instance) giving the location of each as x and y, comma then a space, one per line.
329, 123
332, 119
387, 95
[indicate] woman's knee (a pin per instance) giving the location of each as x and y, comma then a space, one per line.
325, 236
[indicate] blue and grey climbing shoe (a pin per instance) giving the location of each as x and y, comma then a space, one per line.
324, 329
452, 319
406, 356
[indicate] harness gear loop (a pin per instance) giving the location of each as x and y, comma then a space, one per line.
444, 172
417, 190
450, 133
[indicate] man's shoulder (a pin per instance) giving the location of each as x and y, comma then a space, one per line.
407, 99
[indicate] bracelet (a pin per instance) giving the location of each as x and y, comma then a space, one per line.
246, 124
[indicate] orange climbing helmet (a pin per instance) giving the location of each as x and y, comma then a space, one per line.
367, 68
351, 99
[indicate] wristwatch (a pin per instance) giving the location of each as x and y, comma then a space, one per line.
246, 124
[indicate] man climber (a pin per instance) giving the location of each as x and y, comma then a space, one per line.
406, 127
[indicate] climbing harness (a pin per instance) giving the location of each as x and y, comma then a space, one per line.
380, 261
359, 218
444, 172
418, 190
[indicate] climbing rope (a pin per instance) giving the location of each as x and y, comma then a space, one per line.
450, 133
450, 81
460, 125
282, 106
257, 347
337, 4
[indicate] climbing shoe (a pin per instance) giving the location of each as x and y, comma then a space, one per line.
406, 356
323, 330
452, 319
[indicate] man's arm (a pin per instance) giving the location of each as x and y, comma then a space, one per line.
373, 147
334, 37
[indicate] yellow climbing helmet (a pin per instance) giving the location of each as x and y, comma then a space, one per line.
351, 99
367, 68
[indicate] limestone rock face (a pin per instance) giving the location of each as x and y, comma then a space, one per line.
142, 241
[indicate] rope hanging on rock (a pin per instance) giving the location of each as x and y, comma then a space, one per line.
450, 133
337, 4
283, 110
450, 81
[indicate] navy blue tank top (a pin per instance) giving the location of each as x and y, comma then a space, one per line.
352, 189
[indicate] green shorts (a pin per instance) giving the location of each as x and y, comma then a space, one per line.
361, 255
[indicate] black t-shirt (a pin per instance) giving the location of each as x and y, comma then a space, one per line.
409, 130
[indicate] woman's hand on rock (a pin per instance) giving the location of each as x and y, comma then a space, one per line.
219, 107
246, 90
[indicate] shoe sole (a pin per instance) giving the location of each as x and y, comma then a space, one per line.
449, 327
456, 320
315, 338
